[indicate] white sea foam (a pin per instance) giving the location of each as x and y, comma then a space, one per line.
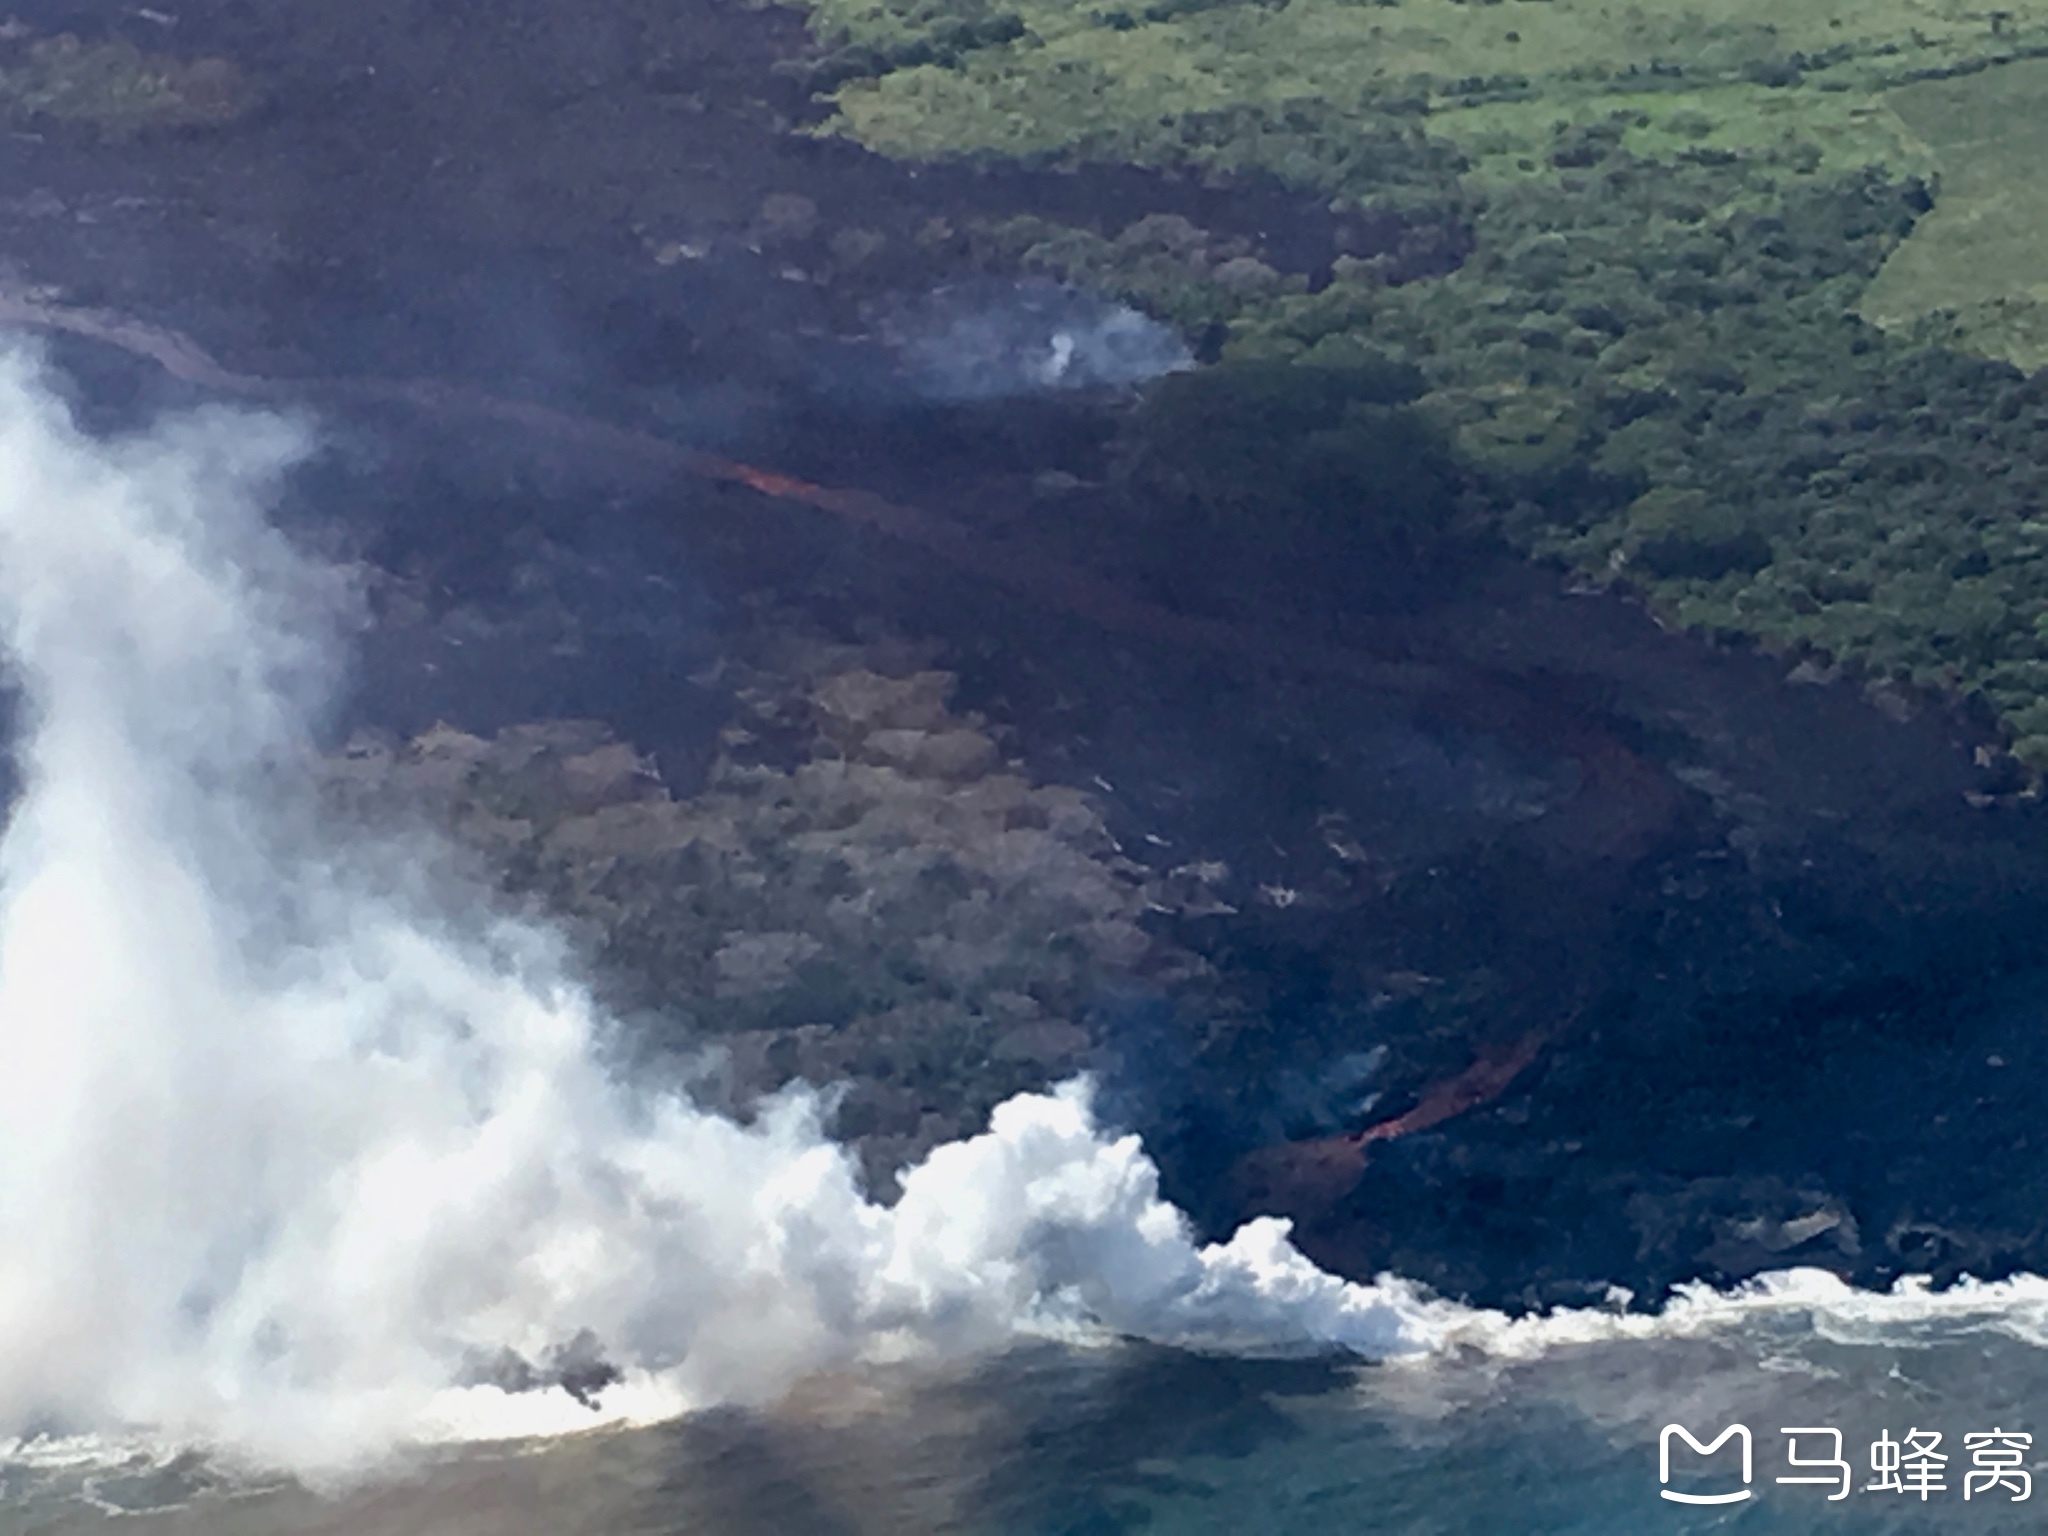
1812, 1302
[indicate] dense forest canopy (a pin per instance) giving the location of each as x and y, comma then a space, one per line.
1752, 294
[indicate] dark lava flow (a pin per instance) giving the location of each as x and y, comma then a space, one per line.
1785, 977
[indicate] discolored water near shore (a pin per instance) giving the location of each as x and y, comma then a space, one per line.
1130, 1438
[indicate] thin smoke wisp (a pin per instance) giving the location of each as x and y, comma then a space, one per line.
995, 340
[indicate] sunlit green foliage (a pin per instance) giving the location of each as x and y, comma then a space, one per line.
1120, 78
1979, 262
1658, 354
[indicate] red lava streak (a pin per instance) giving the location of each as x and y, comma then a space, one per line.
1305, 1178
1623, 803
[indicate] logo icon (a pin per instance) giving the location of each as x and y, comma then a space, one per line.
1732, 1432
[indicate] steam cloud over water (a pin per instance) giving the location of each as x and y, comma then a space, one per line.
283, 1153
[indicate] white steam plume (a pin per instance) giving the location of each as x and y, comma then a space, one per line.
280, 1151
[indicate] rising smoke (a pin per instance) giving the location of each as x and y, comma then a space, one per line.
994, 340
284, 1151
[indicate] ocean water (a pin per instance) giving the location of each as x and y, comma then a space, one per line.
306, 1164
1127, 1437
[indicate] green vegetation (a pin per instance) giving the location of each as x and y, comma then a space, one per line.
899, 909
1226, 437
1977, 266
1334, 455
1174, 269
117, 89
1666, 354
1013, 77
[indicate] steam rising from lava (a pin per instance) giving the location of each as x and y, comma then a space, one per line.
285, 1152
